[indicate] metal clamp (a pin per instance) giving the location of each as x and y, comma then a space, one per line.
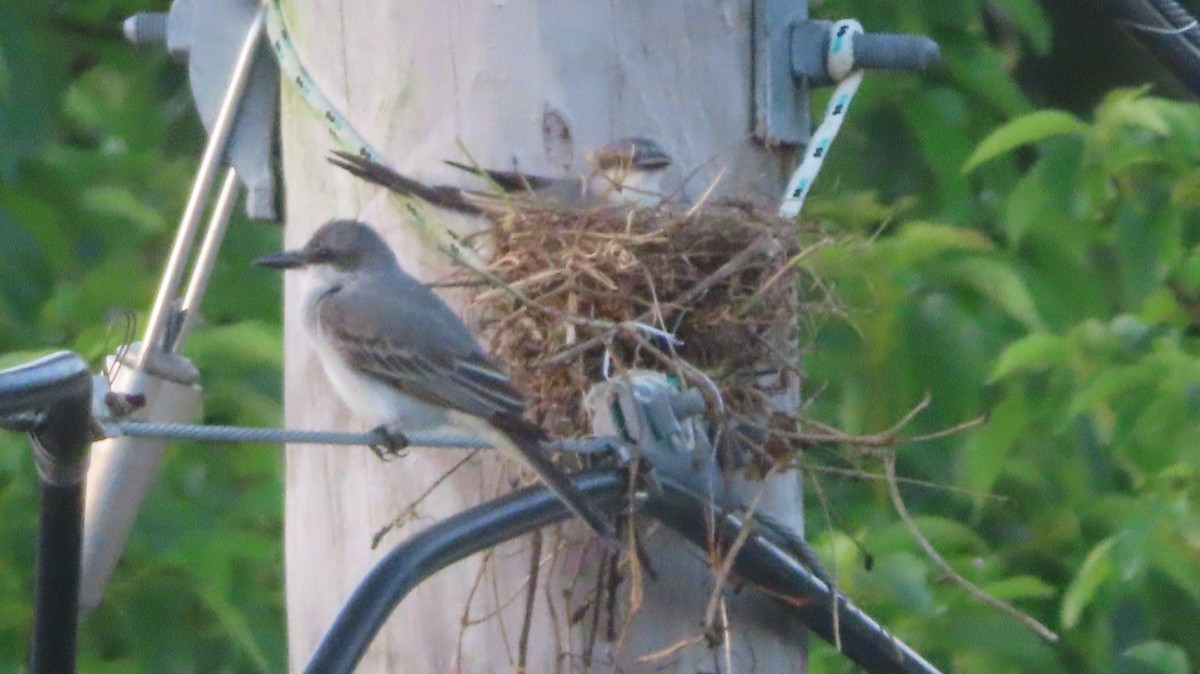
791, 56
56, 391
664, 423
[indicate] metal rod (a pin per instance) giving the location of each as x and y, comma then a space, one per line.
218, 224
240, 434
56, 602
1167, 30
237, 434
438, 546
26, 390
190, 220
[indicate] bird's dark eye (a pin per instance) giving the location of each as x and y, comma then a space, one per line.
321, 255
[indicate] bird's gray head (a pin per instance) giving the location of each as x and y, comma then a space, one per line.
342, 245
630, 154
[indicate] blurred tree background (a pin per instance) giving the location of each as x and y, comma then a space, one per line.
98, 145
1016, 236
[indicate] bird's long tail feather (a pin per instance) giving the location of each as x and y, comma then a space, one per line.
444, 196
509, 181
528, 440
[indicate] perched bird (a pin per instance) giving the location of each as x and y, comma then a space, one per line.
401, 358
625, 171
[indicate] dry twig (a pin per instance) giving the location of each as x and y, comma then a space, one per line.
535, 563
889, 466
410, 511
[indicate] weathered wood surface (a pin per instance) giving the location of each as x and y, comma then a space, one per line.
538, 81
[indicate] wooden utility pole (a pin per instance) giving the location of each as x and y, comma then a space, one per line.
539, 81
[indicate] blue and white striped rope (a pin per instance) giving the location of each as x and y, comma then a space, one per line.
840, 65
294, 72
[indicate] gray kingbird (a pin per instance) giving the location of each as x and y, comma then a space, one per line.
625, 171
399, 357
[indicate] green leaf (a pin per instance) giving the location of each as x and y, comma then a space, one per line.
999, 282
1111, 383
949, 536
904, 576
919, 240
985, 455
1178, 562
237, 345
235, 625
1186, 190
1159, 657
1050, 199
1130, 107
981, 74
1096, 569
937, 118
1024, 130
122, 204
1032, 353
859, 211
32, 68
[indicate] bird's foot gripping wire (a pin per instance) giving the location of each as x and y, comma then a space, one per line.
390, 443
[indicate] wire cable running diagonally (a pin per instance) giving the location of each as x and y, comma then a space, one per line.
1167, 30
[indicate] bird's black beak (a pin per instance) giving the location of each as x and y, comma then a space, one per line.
284, 259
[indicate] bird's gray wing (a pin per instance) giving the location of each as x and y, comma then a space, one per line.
426, 355
419, 346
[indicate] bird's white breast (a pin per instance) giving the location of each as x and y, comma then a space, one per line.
636, 188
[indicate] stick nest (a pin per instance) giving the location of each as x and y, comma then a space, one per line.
569, 287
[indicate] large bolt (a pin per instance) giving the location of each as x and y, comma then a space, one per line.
894, 51
146, 29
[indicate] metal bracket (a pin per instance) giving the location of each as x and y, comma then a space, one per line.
648, 410
790, 52
208, 35
234, 81
123, 469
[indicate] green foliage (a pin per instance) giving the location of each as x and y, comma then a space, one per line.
98, 144
1048, 276
1026, 129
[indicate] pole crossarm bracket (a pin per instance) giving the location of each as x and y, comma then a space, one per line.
207, 35
791, 55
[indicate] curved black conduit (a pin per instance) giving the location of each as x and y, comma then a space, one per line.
760, 562
51, 398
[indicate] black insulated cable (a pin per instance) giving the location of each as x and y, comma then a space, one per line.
761, 562
1167, 30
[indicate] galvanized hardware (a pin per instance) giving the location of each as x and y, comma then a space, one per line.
209, 35
123, 468
791, 56
662, 422
234, 82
